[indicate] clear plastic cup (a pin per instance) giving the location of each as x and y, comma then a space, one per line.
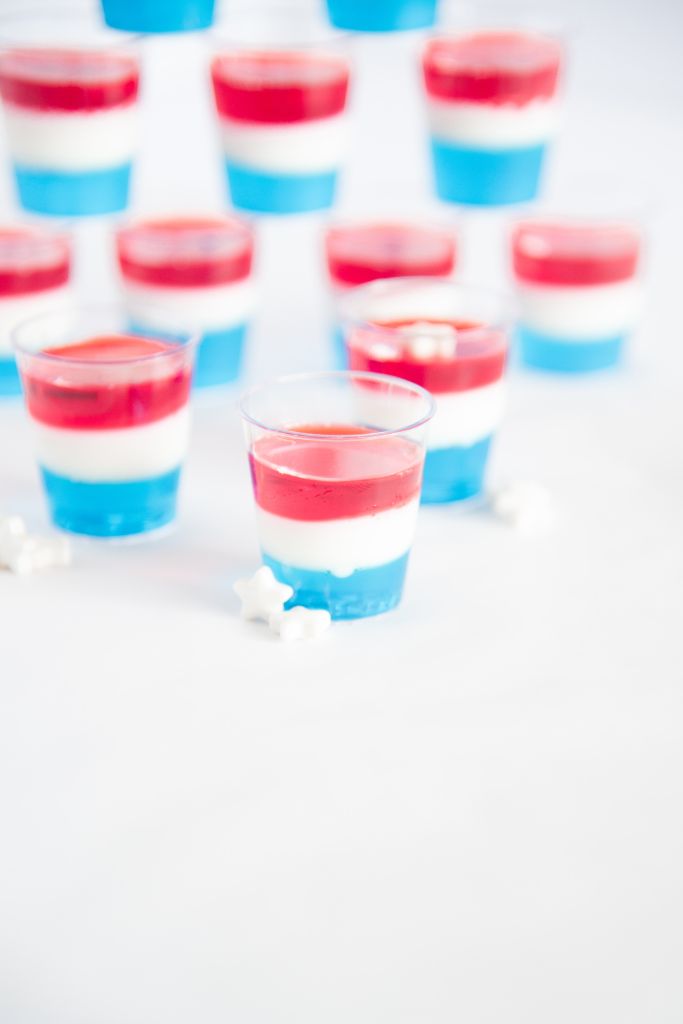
110, 416
35, 270
360, 251
69, 89
280, 82
452, 339
336, 462
187, 274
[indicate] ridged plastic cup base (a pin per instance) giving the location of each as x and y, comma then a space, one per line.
280, 193
543, 352
10, 383
87, 194
482, 177
455, 474
158, 15
381, 15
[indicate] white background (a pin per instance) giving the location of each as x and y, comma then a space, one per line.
468, 810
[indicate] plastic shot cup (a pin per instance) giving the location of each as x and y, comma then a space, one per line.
451, 339
336, 463
110, 417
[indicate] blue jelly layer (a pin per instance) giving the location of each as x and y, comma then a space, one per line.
339, 354
562, 355
486, 177
455, 474
253, 190
85, 194
219, 354
381, 15
111, 509
158, 15
364, 592
10, 384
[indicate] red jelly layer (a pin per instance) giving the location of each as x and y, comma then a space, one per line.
492, 67
574, 254
479, 358
32, 261
107, 382
367, 252
316, 479
186, 252
68, 80
279, 88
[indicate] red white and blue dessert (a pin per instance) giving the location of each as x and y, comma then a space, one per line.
492, 108
35, 268
381, 15
283, 126
191, 275
111, 418
71, 119
358, 253
417, 336
156, 16
578, 292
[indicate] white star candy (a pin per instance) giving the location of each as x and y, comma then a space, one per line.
262, 595
427, 340
300, 623
525, 505
23, 554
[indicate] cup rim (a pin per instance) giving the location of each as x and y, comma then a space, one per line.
320, 375
21, 349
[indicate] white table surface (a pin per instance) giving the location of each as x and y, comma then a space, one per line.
467, 810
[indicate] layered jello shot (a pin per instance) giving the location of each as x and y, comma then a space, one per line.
381, 15
158, 15
35, 268
492, 104
452, 340
364, 251
336, 463
71, 124
283, 125
110, 418
186, 275
578, 291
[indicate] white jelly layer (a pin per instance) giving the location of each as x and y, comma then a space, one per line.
308, 147
212, 307
72, 142
580, 312
339, 546
16, 308
493, 126
118, 455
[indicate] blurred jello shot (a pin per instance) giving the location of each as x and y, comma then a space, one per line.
492, 108
34, 277
381, 15
158, 15
336, 464
187, 275
71, 121
365, 251
110, 418
452, 340
283, 126
578, 292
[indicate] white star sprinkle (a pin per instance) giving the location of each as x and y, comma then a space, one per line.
23, 554
527, 506
262, 595
300, 623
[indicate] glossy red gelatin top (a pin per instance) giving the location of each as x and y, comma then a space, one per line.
492, 67
107, 382
565, 253
279, 88
32, 261
479, 355
186, 252
357, 254
70, 81
334, 473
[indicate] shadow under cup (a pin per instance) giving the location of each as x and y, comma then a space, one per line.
110, 418
336, 463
